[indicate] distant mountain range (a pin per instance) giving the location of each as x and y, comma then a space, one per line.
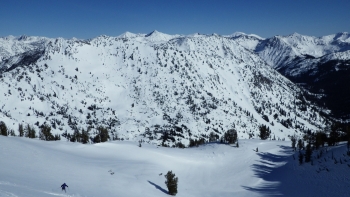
172, 88
321, 65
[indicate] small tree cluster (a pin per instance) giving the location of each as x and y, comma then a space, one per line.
300, 144
265, 132
293, 138
196, 142
213, 137
230, 136
20, 130
45, 134
171, 183
308, 153
3, 128
180, 145
29, 131
102, 135
301, 157
320, 139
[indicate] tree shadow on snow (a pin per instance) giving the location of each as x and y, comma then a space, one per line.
158, 187
270, 169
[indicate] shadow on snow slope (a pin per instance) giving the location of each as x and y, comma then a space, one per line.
271, 170
158, 187
283, 175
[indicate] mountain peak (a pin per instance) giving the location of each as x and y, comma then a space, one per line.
343, 36
156, 36
153, 33
240, 34
127, 34
23, 37
237, 34
295, 34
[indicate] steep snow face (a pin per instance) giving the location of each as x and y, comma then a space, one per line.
162, 89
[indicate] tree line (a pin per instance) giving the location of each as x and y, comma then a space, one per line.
44, 133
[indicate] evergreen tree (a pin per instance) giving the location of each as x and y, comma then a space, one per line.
57, 137
300, 144
20, 130
213, 137
45, 133
76, 136
301, 158
3, 128
12, 132
171, 183
85, 136
293, 138
29, 131
265, 132
333, 136
230, 136
308, 153
320, 139
102, 135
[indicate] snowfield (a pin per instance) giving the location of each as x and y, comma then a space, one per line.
34, 168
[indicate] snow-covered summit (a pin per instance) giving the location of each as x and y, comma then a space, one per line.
128, 35
156, 36
242, 34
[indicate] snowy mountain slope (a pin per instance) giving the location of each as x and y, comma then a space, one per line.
311, 61
326, 76
11, 46
154, 87
248, 41
35, 168
279, 51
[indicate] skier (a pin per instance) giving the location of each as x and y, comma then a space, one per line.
64, 187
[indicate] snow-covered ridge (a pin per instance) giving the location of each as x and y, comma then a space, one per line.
155, 87
281, 50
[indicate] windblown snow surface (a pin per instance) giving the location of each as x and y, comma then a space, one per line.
34, 168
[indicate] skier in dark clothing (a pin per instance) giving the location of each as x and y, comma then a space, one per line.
64, 187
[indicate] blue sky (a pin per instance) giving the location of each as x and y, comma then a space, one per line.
88, 18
